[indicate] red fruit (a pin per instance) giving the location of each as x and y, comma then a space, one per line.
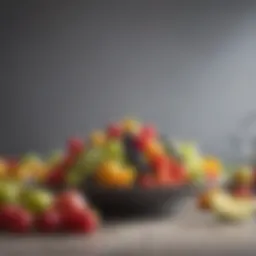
177, 171
147, 181
114, 131
244, 192
75, 146
148, 132
161, 162
70, 201
83, 221
56, 176
141, 143
16, 219
49, 221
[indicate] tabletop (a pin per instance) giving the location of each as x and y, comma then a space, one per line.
188, 231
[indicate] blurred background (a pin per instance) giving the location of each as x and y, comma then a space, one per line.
71, 66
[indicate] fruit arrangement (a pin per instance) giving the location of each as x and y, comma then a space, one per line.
29, 209
242, 181
227, 206
235, 202
124, 155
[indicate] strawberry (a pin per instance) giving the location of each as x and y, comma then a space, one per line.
70, 200
79, 221
16, 219
49, 221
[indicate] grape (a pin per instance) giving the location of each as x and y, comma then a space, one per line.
91, 160
114, 150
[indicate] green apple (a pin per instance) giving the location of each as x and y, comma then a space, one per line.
9, 192
36, 200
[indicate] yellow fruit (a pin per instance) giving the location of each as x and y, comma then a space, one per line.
130, 125
204, 200
212, 165
107, 173
31, 170
230, 208
3, 168
41, 173
112, 175
154, 148
125, 178
23, 172
98, 138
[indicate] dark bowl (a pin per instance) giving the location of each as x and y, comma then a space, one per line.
136, 202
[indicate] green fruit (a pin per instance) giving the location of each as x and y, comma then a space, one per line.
189, 151
36, 200
91, 160
197, 177
9, 192
114, 150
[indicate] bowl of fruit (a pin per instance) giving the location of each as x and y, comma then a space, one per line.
125, 169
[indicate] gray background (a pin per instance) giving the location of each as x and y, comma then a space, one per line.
71, 66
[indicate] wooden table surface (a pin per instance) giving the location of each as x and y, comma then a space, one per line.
187, 232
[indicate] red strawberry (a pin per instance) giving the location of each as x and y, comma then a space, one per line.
70, 200
114, 131
16, 219
80, 221
48, 221
75, 146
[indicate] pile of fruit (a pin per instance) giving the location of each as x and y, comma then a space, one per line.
227, 206
235, 202
124, 155
27, 209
